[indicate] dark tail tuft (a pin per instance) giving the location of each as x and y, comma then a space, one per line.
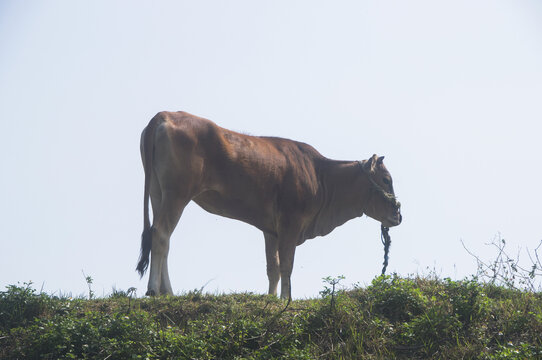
146, 244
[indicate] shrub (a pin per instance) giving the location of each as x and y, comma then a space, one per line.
19, 305
395, 298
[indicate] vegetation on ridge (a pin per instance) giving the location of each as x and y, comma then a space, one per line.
394, 317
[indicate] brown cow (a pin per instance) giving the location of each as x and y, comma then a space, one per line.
285, 188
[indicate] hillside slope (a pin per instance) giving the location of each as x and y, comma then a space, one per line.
393, 318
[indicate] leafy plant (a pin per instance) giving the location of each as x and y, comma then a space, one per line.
330, 284
395, 298
19, 305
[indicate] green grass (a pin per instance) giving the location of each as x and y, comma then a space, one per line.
393, 318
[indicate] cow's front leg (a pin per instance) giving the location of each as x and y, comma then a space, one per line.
272, 257
286, 258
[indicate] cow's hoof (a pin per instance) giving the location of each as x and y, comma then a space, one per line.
150, 293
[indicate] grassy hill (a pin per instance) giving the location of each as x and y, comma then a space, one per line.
393, 318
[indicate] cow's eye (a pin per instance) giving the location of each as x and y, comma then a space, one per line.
386, 181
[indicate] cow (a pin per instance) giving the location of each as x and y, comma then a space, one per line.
285, 188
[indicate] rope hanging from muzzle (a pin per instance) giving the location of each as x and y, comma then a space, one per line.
386, 241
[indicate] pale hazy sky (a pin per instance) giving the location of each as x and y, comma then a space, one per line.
449, 91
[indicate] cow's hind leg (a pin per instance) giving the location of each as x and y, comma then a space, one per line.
165, 284
156, 201
171, 209
272, 256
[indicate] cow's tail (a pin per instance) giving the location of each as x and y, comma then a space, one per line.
147, 155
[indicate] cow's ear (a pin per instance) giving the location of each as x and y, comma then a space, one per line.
369, 165
380, 160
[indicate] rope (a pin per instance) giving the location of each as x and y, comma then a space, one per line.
384, 231
386, 241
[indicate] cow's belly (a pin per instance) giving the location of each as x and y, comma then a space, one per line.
251, 211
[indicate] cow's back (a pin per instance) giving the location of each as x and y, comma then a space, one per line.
249, 178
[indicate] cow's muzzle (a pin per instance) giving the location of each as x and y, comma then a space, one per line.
394, 219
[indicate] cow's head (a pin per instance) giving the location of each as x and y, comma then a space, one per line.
382, 205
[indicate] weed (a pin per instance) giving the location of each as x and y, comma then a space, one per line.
507, 271
89, 281
329, 291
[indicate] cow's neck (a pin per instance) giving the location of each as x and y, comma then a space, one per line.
345, 194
